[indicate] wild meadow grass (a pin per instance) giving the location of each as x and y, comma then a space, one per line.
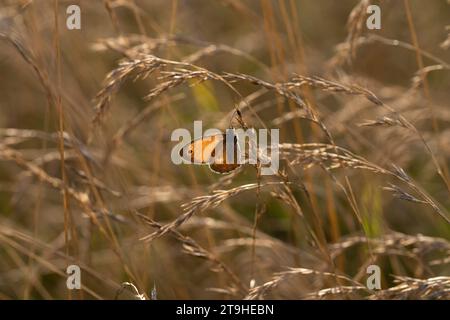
86, 176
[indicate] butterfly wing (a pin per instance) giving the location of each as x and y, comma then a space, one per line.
200, 151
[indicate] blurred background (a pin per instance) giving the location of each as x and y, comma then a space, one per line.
86, 174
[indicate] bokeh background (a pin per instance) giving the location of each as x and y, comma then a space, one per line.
90, 196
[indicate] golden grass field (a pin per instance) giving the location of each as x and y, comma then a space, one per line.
86, 176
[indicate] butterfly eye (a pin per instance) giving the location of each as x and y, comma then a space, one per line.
189, 151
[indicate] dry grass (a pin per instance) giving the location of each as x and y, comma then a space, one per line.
86, 176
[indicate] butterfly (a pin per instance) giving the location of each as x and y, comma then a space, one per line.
207, 150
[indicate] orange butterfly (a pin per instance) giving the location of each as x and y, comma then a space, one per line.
206, 150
